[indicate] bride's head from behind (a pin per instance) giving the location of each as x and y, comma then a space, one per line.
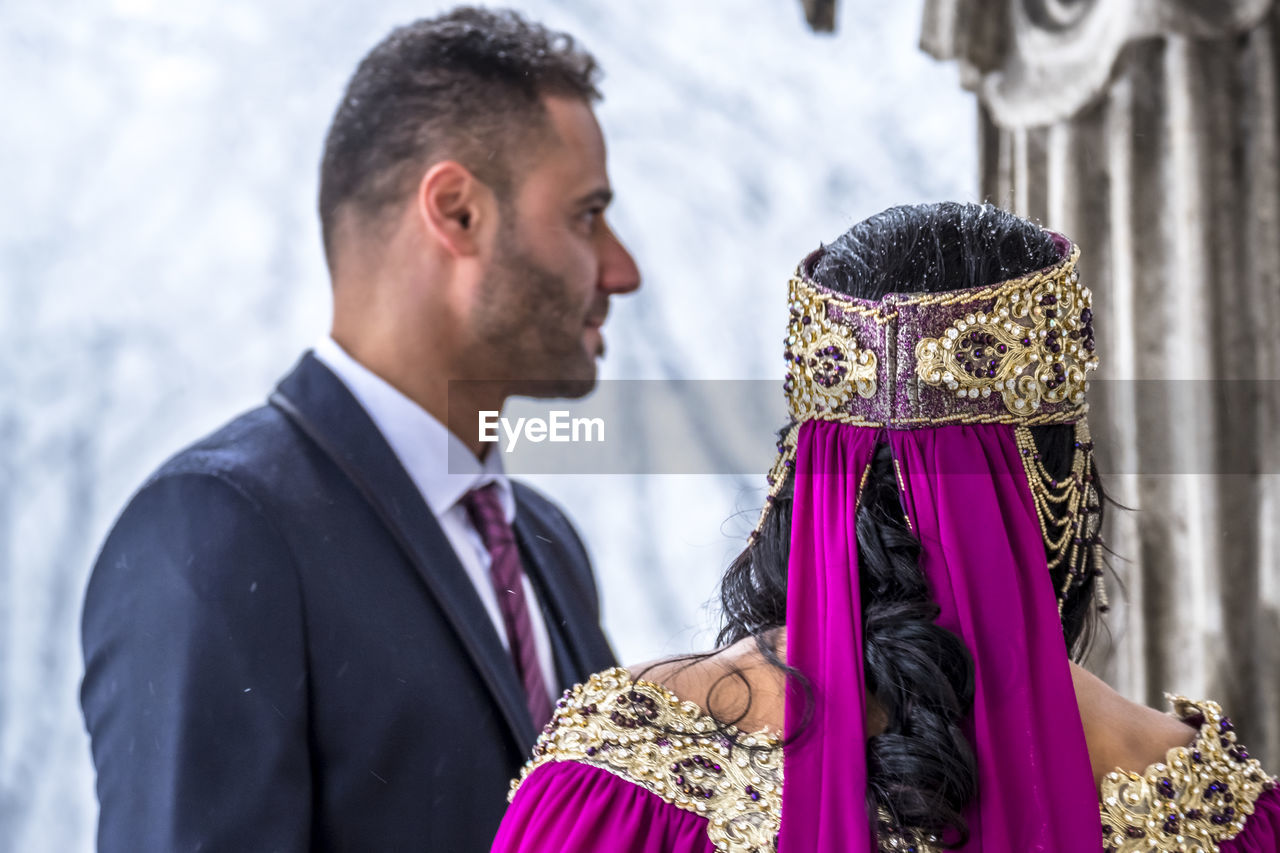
921, 676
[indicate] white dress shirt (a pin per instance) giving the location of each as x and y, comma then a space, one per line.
444, 470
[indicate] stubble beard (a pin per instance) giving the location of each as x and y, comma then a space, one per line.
532, 327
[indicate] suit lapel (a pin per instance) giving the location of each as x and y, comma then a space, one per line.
576, 640
322, 407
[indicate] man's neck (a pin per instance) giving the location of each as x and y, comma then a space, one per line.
455, 403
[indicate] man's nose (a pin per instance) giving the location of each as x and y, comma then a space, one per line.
618, 270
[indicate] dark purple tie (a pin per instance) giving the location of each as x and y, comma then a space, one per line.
507, 575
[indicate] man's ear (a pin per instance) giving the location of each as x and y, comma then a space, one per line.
452, 206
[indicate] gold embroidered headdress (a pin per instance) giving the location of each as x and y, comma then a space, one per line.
1017, 352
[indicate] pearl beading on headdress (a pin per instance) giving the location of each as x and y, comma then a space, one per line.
1016, 352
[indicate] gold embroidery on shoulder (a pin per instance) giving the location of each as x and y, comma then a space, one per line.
1199, 796
643, 733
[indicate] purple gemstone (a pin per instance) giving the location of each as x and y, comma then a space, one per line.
806, 319
1026, 342
1002, 349
1086, 315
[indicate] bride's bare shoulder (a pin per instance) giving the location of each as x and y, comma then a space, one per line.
736, 684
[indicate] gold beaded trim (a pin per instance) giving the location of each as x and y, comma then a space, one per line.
826, 362
1198, 797
645, 734
1069, 511
1034, 347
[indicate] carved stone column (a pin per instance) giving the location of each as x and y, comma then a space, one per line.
1147, 131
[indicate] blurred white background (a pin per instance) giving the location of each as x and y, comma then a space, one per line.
160, 269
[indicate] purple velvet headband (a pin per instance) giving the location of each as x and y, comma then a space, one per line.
1017, 352
1013, 352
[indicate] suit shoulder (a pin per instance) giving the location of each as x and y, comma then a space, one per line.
246, 449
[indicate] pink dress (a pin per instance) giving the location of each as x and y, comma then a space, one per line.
627, 767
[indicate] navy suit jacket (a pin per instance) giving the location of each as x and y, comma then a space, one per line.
283, 653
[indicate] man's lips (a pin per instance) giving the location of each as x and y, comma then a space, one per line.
596, 318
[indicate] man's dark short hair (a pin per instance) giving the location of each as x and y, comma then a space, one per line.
467, 85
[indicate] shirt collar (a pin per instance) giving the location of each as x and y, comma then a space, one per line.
442, 467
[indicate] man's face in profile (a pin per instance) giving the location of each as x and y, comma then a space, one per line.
556, 262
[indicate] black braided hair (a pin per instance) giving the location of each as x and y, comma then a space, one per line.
921, 768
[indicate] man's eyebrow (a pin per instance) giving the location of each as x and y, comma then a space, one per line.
600, 197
